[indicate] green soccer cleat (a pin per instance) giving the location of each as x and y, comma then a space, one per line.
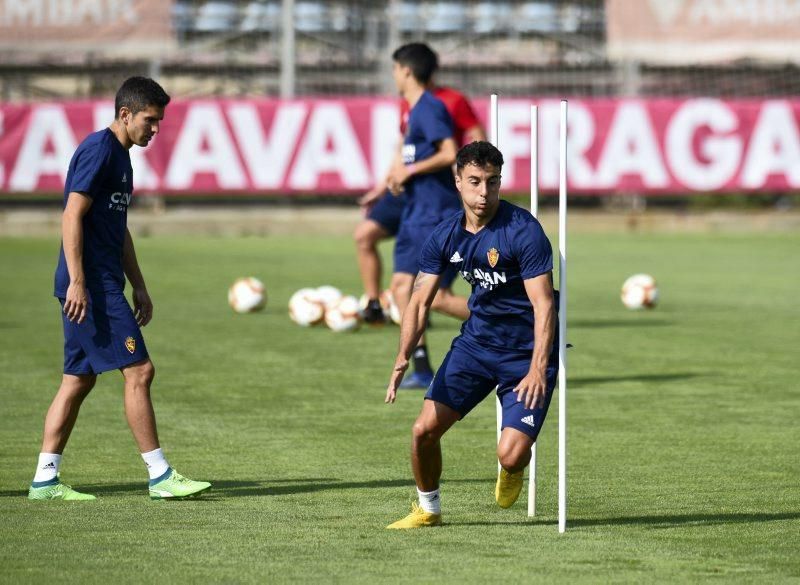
57, 491
176, 487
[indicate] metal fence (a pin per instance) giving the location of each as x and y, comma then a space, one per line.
318, 48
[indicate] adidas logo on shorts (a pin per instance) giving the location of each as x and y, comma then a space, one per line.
529, 420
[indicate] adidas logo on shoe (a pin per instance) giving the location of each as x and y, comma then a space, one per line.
529, 420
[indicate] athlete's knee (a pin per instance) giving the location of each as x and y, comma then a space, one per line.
140, 376
425, 433
78, 386
401, 284
366, 236
441, 298
513, 456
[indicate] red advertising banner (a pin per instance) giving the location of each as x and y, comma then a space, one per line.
332, 146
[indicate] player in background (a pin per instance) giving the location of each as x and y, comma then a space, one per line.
425, 176
508, 341
101, 332
383, 209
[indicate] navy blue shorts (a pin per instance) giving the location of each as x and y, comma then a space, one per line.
408, 247
469, 373
387, 212
108, 339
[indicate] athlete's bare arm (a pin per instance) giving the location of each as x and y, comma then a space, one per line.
414, 319
380, 187
531, 389
444, 157
142, 304
76, 301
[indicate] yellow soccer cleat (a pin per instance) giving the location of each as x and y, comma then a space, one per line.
508, 487
418, 518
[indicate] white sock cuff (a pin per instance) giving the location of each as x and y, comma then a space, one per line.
47, 467
430, 501
156, 463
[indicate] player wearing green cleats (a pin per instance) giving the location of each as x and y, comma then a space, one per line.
173, 486
57, 491
102, 331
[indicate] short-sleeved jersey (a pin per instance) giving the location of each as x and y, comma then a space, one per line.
496, 261
100, 168
430, 196
459, 108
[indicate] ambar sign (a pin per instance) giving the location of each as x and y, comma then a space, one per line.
693, 31
30, 23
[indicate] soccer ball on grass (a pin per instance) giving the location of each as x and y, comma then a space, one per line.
639, 292
344, 315
305, 308
247, 295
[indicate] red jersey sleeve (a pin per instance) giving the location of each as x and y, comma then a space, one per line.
460, 111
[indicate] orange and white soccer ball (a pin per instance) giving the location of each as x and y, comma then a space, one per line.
344, 315
247, 295
305, 308
328, 295
640, 292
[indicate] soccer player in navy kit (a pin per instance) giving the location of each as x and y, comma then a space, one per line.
426, 178
383, 209
101, 332
508, 341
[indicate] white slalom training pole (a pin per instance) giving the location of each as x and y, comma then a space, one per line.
493, 131
535, 161
534, 211
494, 134
562, 322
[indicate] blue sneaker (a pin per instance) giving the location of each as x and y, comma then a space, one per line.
417, 381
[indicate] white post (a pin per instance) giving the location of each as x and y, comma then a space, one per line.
534, 211
535, 161
562, 323
494, 139
288, 63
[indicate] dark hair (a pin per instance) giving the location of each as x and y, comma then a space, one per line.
139, 93
479, 154
418, 57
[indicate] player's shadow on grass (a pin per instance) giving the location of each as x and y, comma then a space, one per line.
618, 323
683, 520
580, 381
656, 522
290, 487
239, 488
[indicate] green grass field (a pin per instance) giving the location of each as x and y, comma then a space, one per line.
683, 433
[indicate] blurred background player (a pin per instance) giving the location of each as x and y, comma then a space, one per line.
424, 174
101, 332
383, 210
507, 342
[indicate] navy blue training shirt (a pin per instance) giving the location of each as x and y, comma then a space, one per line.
431, 196
101, 169
511, 248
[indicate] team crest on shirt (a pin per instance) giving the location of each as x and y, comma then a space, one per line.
493, 255
130, 344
